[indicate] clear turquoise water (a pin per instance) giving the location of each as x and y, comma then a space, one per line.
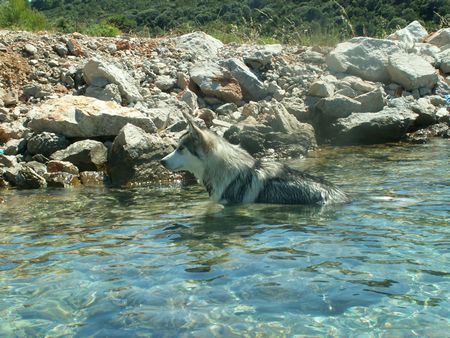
166, 262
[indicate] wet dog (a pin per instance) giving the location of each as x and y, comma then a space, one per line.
231, 175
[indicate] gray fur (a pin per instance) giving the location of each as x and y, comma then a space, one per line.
231, 175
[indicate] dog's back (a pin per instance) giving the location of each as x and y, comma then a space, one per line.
292, 186
270, 182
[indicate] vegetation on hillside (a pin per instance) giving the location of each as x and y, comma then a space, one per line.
298, 21
17, 14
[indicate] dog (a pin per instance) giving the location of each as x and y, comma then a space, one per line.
232, 175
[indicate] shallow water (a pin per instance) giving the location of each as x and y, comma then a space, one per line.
166, 262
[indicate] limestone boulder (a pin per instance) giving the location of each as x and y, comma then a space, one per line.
110, 92
252, 88
409, 35
440, 38
85, 117
249, 136
321, 89
260, 57
86, 155
46, 143
365, 57
426, 112
135, 156
27, 178
12, 130
282, 121
390, 124
15, 146
214, 80
39, 168
372, 101
286, 136
338, 106
199, 43
444, 61
99, 73
411, 71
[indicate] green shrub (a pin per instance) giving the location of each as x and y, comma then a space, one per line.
101, 29
397, 23
17, 14
122, 22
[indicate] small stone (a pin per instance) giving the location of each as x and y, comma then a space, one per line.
182, 80
190, 98
61, 50
321, 89
10, 99
226, 109
15, 146
112, 48
74, 47
165, 82
53, 63
206, 115
30, 49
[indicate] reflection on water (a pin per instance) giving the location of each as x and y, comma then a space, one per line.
167, 262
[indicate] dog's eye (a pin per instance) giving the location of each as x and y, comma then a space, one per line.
180, 148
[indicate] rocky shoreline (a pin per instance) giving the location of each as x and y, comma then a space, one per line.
81, 110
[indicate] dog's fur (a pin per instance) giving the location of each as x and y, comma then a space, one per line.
231, 175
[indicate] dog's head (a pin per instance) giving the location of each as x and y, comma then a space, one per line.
191, 150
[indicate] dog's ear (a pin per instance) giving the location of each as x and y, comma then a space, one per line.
193, 128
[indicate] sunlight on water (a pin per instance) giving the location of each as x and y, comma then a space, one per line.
167, 262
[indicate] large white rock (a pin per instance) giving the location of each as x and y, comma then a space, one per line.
427, 51
85, 154
85, 117
259, 56
365, 57
444, 61
359, 85
100, 73
372, 101
252, 88
338, 106
135, 156
409, 35
214, 80
412, 71
390, 124
199, 43
440, 38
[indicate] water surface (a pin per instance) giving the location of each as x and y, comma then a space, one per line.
166, 262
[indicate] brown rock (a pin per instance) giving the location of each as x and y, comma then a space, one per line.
74, 47
62, 180
62, 166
